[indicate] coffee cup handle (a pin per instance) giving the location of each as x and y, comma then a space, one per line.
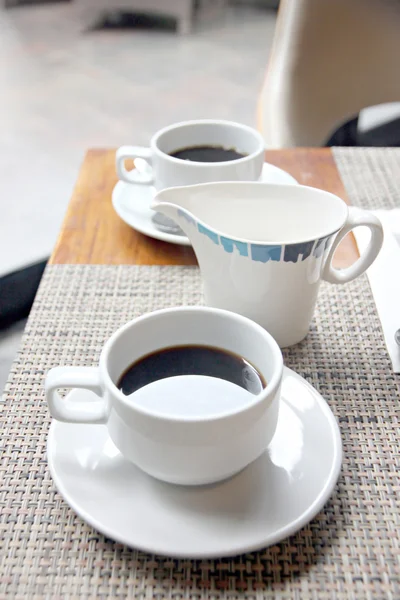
357, 217
62, 409
141, 177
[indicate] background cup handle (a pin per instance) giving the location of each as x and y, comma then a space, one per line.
134, 176
75, 412
356, 218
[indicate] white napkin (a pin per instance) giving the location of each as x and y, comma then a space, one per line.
384, 278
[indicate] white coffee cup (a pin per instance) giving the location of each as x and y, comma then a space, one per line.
186, 439
164, 171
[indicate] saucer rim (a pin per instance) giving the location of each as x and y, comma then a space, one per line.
156, 234
171, 238
265, 540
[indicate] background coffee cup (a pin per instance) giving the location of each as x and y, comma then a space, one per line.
165, 171
179, 449
263, 249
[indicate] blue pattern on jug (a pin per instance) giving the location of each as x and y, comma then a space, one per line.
322, 245
319, 248
294, 251
229, 245
211, 234
261, 253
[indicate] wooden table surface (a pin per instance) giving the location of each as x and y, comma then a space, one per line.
92, 233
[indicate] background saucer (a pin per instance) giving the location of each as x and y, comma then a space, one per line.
268, 501
132, 203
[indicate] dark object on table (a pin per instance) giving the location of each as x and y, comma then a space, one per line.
17, 292
385, 134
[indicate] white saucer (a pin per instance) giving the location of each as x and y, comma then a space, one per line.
132, 203
268, 501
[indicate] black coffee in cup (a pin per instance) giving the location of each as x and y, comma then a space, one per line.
191, 360
207, 154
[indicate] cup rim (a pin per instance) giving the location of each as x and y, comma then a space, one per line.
272, 384
292, 189
180, 125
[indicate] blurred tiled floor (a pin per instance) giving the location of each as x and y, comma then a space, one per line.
65, 88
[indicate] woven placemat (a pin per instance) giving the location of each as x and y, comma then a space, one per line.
371, 176
350, 550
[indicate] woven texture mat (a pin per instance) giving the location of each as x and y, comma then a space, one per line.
350, 550
371, 176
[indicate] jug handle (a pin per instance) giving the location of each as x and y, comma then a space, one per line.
357, 217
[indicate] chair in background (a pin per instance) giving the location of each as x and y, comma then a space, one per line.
330, 59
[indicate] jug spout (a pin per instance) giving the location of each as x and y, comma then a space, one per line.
171, 203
